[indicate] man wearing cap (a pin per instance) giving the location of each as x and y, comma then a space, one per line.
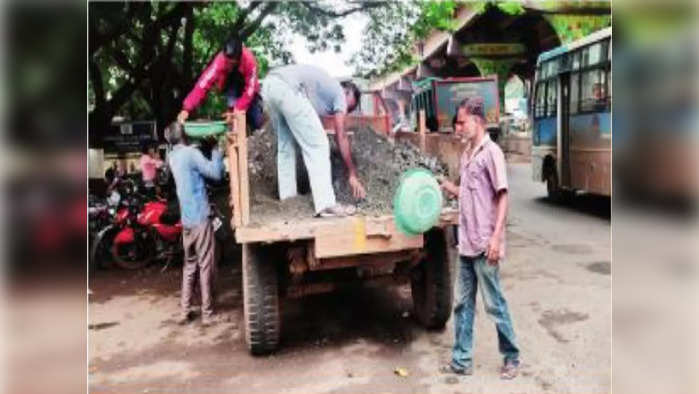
483, 201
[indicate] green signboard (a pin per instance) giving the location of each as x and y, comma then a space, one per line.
450, 92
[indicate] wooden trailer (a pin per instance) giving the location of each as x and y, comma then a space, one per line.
317, 255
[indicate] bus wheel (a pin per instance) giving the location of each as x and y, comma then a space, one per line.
552, 189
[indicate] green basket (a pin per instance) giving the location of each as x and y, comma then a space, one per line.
205, 129
417, 203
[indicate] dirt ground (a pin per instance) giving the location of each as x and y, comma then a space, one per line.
556, 279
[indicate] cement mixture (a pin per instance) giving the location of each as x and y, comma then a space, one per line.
379, 163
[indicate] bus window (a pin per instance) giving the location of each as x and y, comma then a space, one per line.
575, 64
574, 92
594, 96
552, 66
551, 98
594, 54
540, 102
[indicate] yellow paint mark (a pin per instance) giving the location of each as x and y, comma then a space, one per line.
359, 229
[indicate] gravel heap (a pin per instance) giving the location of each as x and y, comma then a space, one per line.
379, 165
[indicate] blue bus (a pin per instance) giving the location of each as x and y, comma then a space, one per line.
571, 117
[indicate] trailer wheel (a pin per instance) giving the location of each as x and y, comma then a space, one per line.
260, 301
431, 283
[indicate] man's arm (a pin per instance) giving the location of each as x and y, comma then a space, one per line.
358, 190
249, 67
501, 203
494, 246
204, 83
498, 177
343, 142
346, 153
212, 169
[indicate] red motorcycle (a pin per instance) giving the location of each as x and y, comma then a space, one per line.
141, 232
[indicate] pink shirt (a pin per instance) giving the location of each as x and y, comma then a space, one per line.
482, 176
148, 167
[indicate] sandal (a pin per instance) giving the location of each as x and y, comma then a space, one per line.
337, 211
509, 370
450, 368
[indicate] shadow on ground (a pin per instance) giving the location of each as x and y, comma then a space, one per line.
588, 204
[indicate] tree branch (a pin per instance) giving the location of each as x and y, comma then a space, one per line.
97, 83
311, 6
99, 39
188, 48
249, 29
244, 15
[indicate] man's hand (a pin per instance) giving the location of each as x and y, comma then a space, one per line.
446, 185
357, 189
493, 252
212, 141
230, 115
182, 116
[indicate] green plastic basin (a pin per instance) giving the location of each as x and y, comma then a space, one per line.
418, 201
204, 129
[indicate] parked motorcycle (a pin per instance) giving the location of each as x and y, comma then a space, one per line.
142, 231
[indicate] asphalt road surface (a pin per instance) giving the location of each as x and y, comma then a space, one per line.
556, 279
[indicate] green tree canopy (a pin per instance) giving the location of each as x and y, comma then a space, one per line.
145, 56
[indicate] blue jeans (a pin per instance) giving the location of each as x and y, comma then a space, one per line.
253, 116
474, 271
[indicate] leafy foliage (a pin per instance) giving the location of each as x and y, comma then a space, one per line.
145, 56
393, 31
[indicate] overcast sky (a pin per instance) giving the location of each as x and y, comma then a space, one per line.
334, 63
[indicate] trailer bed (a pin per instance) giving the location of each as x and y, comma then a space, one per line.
335, 237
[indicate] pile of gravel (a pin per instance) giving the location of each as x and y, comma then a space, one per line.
379, 163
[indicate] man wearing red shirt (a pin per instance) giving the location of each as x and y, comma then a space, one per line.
234, 71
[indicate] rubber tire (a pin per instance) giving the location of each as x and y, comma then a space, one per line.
260, 301
431, 283
553, 191
134, 265
101, 247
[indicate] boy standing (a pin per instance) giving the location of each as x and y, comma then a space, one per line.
483, 204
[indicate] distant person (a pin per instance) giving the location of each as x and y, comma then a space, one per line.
234, 71
483, 202
600, 99
296, 96
189, 168
149, 165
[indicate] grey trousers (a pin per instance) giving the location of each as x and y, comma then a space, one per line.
199, 257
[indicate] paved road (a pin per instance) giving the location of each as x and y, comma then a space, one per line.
556, 279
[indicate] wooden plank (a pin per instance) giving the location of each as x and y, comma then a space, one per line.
232, 152
308, 228
243, 169
362, 260
360, 238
